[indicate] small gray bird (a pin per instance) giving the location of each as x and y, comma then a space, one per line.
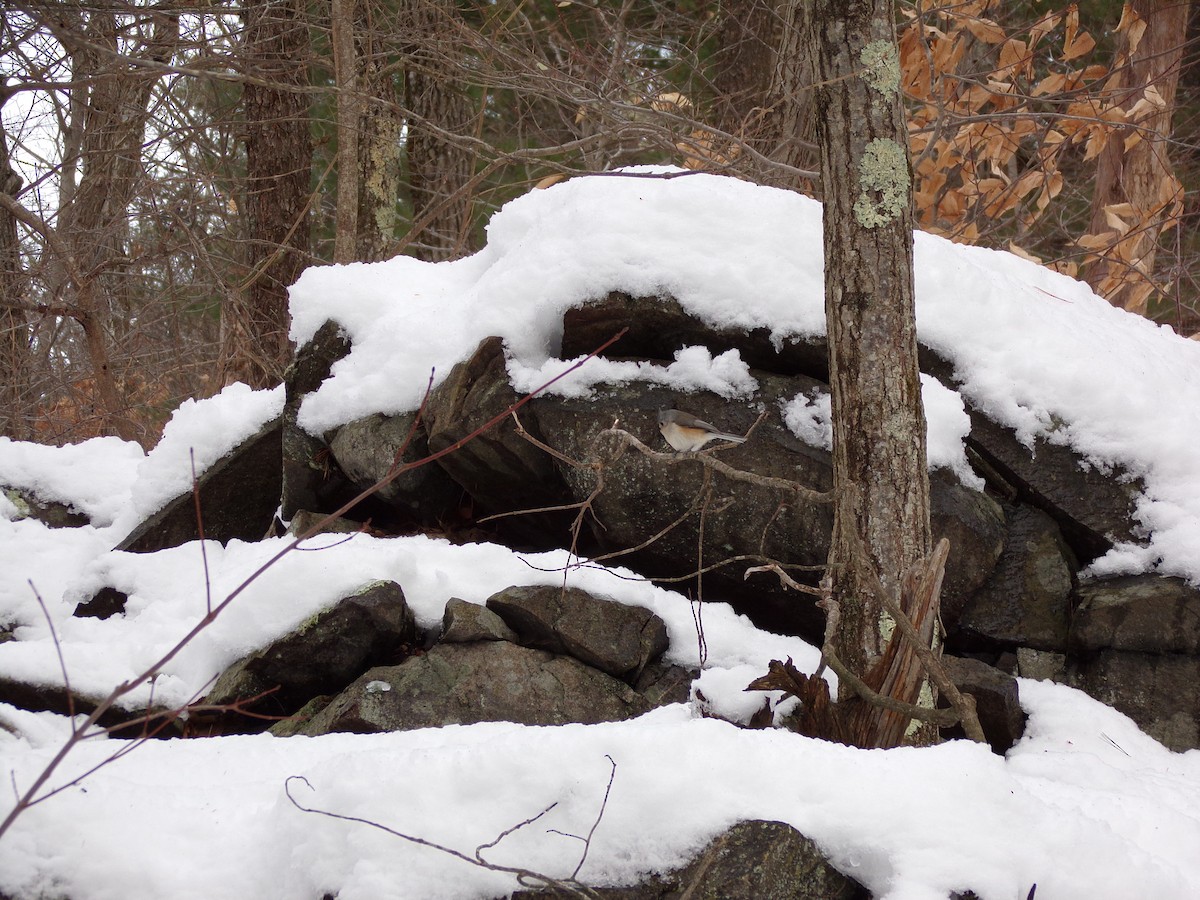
686, 433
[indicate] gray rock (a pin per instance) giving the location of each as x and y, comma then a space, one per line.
311, 478
304, 521
975, 525
485, 681
1041, 665
760, 860
656, 506
996, 701
1146, 613
367, 449
663, 684
465, 622
500, 470
51, 513
295, 723
1026, 601
324, 654
612, 637
106, 603
1160, 692
658, 326
1092, 507
239, 495
753, 860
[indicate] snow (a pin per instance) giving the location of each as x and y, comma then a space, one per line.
1085, 806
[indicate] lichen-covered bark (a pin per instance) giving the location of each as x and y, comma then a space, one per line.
881, 520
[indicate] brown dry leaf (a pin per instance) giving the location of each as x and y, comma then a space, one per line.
1097, 138
1015, 58
1076, 43
1097, 241
1082, 45
1115, 222
1072, 24
1051, 84
1028, 181
1194, 337
984, 29
1024, 254
1137, 298
549, 180
1134, 27
1066, 267
1042, 27
1132, 140
670, 101
947, 53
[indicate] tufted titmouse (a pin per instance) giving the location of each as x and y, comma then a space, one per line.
685, 432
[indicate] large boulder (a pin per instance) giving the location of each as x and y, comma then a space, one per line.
498, 469
368, 449
486, 681
311, 478
753, 860
323, 654
50, 513
1135, 645
239, 495
656, 327
1160, 692
1143, 613
997, 701
1026, 600
612, 637
1094, 508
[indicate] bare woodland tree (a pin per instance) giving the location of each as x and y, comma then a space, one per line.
439, 170
254, 319
881, 487
14, 326
1137, 194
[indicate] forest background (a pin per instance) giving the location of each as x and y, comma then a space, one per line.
168, 168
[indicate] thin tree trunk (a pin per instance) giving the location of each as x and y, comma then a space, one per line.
439, 172
381, 128
15, 357
762, 84
109, 109
254, 322
345, 67
1135, 180
881, 515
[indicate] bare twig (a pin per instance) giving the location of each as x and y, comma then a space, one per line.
524, 876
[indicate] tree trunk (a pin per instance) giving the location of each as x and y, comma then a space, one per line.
15, 357
762, 84
254, 322
1136, 188
439, 171
881, 515
109, 108
380, 138
345, 67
